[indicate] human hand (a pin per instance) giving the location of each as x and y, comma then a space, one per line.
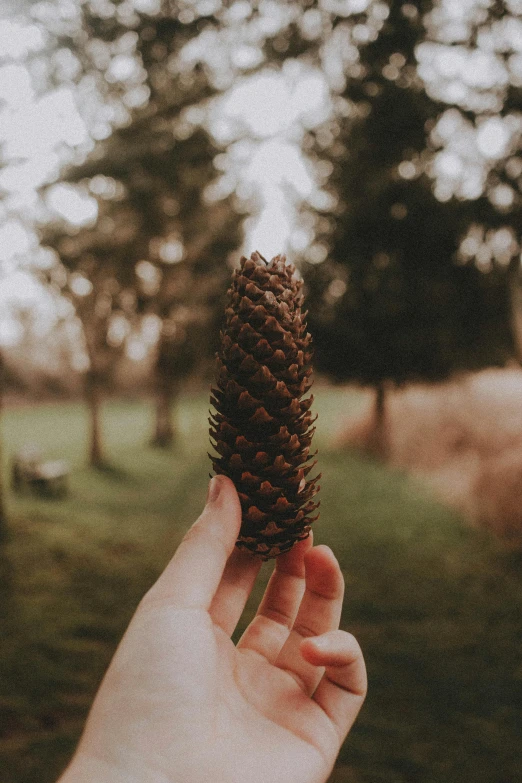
180, 703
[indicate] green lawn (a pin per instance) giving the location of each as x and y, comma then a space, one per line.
437, 607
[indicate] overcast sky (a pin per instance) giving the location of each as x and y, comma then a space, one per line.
40, 132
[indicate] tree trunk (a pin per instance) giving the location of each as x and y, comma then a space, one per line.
165, 431
379, 438
515, 300
3, 517
93, 397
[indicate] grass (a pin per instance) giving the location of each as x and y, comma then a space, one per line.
436, 606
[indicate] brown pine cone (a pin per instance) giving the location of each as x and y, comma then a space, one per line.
262, 428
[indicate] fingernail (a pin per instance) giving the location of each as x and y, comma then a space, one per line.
214, 488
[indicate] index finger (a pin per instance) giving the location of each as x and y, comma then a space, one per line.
193, 575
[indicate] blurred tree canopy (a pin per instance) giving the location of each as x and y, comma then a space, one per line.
414, 249
154, 265
391, 302
150, 272
395, 279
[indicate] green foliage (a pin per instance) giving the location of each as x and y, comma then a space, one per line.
436, 606
391, 303
149, 177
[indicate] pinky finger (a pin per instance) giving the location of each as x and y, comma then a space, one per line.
342, 689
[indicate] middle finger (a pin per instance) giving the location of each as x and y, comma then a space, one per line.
269, 629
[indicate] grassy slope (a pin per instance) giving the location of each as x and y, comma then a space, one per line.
437, 607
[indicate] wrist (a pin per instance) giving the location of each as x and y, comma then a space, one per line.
86, 769
91, 769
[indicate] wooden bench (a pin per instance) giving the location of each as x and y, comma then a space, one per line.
29, 472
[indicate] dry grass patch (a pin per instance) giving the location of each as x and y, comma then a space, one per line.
464, 437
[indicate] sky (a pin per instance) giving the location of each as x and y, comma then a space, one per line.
39, 133
261, 118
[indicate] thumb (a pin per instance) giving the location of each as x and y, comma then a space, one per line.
193, 575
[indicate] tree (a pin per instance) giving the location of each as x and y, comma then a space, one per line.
156, 234
391, 304
101, 302
3, 514
471, 65
391, 285
190, 304
396, 298
156, 248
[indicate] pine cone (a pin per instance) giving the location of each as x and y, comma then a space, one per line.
262, 428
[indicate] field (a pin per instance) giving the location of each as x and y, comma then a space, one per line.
463, 437
437, 606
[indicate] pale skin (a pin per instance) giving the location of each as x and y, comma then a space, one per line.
180, 703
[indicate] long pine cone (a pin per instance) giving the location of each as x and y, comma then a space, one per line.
262, 428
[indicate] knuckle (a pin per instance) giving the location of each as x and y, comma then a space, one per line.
300, 680
192, 534
304, 630
200, 533
277, 615
328, 592
152, 599
350, 639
